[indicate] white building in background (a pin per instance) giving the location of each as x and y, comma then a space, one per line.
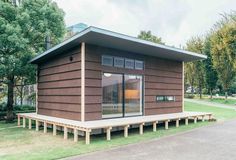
74, 29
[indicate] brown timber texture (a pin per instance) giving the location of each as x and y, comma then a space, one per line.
59, 86
161, 77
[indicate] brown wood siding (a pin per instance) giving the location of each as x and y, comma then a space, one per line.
93, 80
161, 77
59, 86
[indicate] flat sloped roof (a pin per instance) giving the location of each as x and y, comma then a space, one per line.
106, 38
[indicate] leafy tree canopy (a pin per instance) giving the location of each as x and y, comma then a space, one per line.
223, 48
147, 35
23, 29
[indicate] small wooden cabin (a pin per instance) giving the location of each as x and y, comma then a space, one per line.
100, 74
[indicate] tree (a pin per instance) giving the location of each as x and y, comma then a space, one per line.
189, 71
211, 74
196, 44
23, 29
223, 48
147, 35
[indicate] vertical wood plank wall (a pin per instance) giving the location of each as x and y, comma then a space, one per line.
59, 86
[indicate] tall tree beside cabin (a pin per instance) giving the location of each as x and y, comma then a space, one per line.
211, 74
24, 28
223, 48
189, 71
196, 44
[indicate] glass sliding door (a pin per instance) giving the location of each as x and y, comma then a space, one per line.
122, 95
133, 85
112, 98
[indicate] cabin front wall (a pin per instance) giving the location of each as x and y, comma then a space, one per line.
59, 83
161, 77
59, 86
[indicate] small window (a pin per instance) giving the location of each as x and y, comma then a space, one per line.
170, 98
160, 98
119, 62
107, 60
165, 98
129, 63
138, 65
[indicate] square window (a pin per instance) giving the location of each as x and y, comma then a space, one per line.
118, 62
107, 60
129, 63
138, 65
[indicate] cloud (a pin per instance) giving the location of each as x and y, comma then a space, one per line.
173, 20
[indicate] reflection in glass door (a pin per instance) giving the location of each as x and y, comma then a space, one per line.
133, 95
112, 98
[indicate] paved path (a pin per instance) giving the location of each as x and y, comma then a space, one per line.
210, 103
215, 142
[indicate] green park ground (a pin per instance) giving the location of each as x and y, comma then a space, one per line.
18, 143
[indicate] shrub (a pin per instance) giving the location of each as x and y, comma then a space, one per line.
191, 96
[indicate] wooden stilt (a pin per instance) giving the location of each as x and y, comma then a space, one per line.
154, 126
195, 119
167, 124
141, 128
87, 137
186, 121
177, 123
30, 124
210, 117
203, 118
24, 123
45, 127
108, 131
18, 120
65, 132
54, 129
126, 131
36, 125
75, 135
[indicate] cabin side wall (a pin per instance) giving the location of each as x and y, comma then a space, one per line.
59, 86
161, 77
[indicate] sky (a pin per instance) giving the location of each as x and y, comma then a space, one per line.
175, 21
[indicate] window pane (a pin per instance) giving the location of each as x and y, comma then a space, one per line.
160, 98
170, 98
107, 60
139, 65
112, 95
119, 62
133, 95
129, 63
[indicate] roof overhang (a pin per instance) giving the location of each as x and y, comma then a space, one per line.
105, 38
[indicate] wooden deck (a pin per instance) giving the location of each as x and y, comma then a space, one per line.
107, 124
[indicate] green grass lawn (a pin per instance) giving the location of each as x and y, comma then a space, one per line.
19, 143
222, 101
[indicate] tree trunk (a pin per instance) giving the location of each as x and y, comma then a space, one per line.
211, 93
200, 91
10, 99
21, 95
226, 95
